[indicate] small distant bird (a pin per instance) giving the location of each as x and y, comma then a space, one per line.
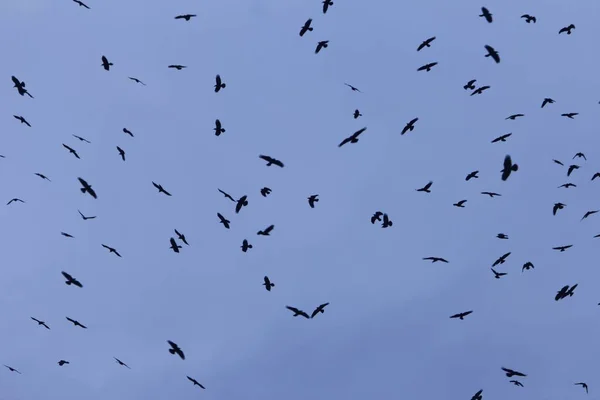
501, 259
409, 126
426, 43
502, 236
72, 151
568, 185
352, 138
558, 162
557, 206
516, 383
596, 175
127, 131
461, 315
41, 323
87, 188
11, 369
485, 13
245, 245
354, 89
435, 259
70, 280
569, 115
306, 27
174, 246
228, 196
562, 248
529, 18
564, 292
121, 152
312, 200
82, 139
20, 85
121, 363
515, 116
547, 100
580, 155
76, 323
492, 53
567, 29
175, 349
84, 217
357, 114
326, 5
319, 309
498, 275
387, 222
268, 284
583, 385
323, 44
23, 120
472, 175
508, 167
195, 382
42, 176
106, 64
511, 372
470, 85
572, 168
136, 80
427, 67
218, 128
66, 235
460, 204
425, 188
223, 220
297, 312
271, 161
111, 250
187, 17
491, 194
267, 231
478, 395
527, 266
181, 237
587, 214
177, 67
63, 362
479, 90
219, 84
265, 191
376, 217
161, 189
81, 4
242, 202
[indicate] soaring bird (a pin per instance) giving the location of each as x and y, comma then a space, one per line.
121, 152
187, 17
567, 29
121, 363
127, 131
352, 138
570, 115
11, 369
472, 175
81, 139
174, 246
562, 248
223, 220
480, 90
76, 323
460, 204
485, 13
218, 128
557, 206
70, 280
175, 349
427, 67
587, 214
435, 259
271, 161
219, 84
470, 85
84, 217
326, 5
195, 382
177, 67
508, 167
492, 53
426, 43
245, 245
515, 116
511, 372
266, 231
529, 18
181, 237
106, 64
268, 284
111, 250
22, 119
312, 199
425, 188
516, 383
491, 194
81, 4
306, 27
43, 176
242, 202
353, 88
409, 126
40, 323
72, 151
297, 312
498, 275
547, 100
87, 188
501, 259
319, 309
502, 138
461, 315
20, 85
161, 189
15, 200
227, 195
583, 385
136, 80
323, 44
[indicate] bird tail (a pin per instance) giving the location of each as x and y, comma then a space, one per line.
310, 29
171, 351
249, 246
391, 223
272, 285
515, 167
223, 85
83, 190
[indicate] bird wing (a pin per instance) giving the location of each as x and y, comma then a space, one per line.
269, 229
67, 275
218, 80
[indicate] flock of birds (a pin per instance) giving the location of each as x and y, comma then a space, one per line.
508, 167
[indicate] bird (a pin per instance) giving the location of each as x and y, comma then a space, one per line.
491, 194
568, 185
15, 200
223, 220
501, 259
136, 80
491, 52
357, 114
558, 162
326, 5
511, 372
271, 161
41, 323
121, 152
87, 188
557, 206
319, 309
111, 250
583, 385
11, 369
515, 116
81, 139
502, 138
267, 231
84, 217
596, 175
426, 43
187, 17
306, 27
70, 280
485, 13
527, 266
479, 90
177, 67
460, 204
516, 383
121, 362
105, 64
297, 312
376, 217
127, 131
323, 44
353, 88
470, 85
161, 189
227, 195
66, 235
76, 323
245, 245
478, 395
42, 176
175, 349
427, 67
472, 175
547, 100
23, 120
572, 168
529, 18
409, 126
508, 168
181, 237
579, 155
242, 202
63, 362
265, 191
387, 222
587, 214
20, 85
218, 128
569, 115
195, 382
72, 151
352, 138
81, 4
425, 188
498, 275
502, 236
461, 315
174, 246
312, 200
435, 259
567, 29
219, 84
562, 248
268, 284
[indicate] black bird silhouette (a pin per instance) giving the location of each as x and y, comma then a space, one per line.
76, 323
195, 382
306, 27
568, 185
187, 17
161, 189
136, 80
111, 250
376, 217
460, 204
508, 167
121, 152
498, 275
106, 64
323, 44
501, 259
40, 323
470, 85
427, 67
479, 90
579, 155
478, 395
66, 235
177, 67
502, 138
175, 349
354, 89
223, 220
71, 150
127, 131
387, 222
84, 217
245, 245
409, 126
425, 188
70, 280
326, 5
81, 4
227, 195
596, 175
486, 14
461, 315
82, 139
357, 114
529, 18
557, 206
562, 248
516, 383
352, 138
502, 236
181, 237
23, 120
511, 372
174, 246
268, 284
219, 84
587, 214
564, 292
242, 202
218, 128
11, 369
558, 162
571, 169
435, 259
297, 312
472, 175
426, 43
527, 266
515, 116
569, 115
271, 161
121, 363
491, 52
319, 309
87, 188
491, 194
42, 176
265, 191
547, 100
567, 29
62, 362
267, 231
312, 200
583, 385
20, 85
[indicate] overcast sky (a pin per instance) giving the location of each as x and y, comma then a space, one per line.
387, 331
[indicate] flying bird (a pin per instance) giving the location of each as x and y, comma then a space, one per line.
515, 116
491, 194
161, 189
425, 188
356, 114
387, 222
491, 52
568, 185
187, 17
111, 250
312, 199
121, 152
498, 275
353, 88
195, 382
271, 161
470, 85
297, 312
319, 309
136, 80
527, 266
376, 217
66, 235
571, 169
558, 162
42, 176
435, 259
596, 175
562, 248
326, 5
460, 204
547, 100
20, 85
223, 220
81, 4
265, 192
218, 128
121, 363
15, 200
478, 395
569, 115
583, 385
11, 369
76, 323
508, 167
242, 202
72, 151
181, 237
87, 188
516, 383
472, 175
501, 259
557, 206
529, 18
426, 43
409, 126
177, 67
485, 13
227, 195
105, 64
70, 280
502, 236
267, 231
587, 214
82, 139
219, 84
323, 44
579, 155
479, 90
174, 246
84, 217
427, 67
567, 29
23, 120
461, 315
306, 27
511, 372
41, 323
268, 284
502, 138
127, 131
175, 349
62, 362
352, 138
245, 245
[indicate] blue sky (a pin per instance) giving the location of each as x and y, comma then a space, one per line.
386, 332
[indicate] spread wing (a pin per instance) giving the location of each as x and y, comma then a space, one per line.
218, 80
67, 276
269, 229
343, 142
